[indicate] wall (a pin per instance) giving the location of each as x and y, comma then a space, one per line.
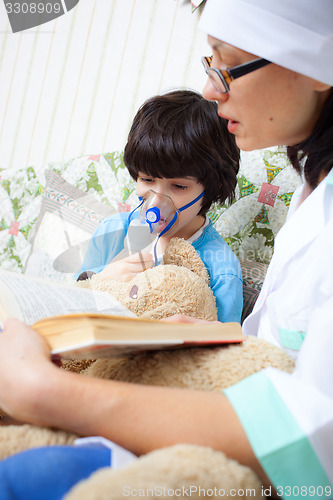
72, 86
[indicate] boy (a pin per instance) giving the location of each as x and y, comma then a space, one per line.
178, 149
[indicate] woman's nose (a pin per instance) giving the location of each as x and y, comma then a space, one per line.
211, 94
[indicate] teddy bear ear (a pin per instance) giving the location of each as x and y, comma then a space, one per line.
181, 253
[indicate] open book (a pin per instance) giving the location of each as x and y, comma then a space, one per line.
79, 323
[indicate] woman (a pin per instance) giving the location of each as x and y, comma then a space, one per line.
280, 425
278, 106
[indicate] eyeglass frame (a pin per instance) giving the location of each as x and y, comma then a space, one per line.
227, 75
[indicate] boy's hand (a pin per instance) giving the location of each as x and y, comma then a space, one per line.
127, 268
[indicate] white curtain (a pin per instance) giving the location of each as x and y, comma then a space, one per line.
72, 86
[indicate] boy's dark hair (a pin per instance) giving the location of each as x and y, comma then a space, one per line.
179, 134
317, 149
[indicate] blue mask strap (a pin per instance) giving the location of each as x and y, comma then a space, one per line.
191, 202
155, 252
141, 198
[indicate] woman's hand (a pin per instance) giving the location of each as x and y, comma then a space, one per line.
127, 268
25, 362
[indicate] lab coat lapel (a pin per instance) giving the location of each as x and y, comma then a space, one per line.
303, 226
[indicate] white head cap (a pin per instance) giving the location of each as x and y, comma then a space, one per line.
295, 34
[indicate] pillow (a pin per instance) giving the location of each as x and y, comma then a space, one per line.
102, 176
265, 184
67, 218
20, 201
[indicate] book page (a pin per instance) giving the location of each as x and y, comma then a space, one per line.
31, 300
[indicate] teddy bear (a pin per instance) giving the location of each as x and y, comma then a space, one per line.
179, 286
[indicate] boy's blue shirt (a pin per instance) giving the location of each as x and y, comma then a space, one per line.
221, 263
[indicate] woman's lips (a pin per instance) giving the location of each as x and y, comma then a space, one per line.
232, 126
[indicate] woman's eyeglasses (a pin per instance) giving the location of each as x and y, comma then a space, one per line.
221, 78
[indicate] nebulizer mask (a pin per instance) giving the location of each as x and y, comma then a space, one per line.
158, 214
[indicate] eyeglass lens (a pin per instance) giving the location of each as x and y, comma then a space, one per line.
216, 80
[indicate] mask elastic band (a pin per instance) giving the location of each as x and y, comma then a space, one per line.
192, 202
141, 198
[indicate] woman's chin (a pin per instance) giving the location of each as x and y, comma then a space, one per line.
248, 144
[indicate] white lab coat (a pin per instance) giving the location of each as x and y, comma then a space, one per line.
300, 276
297, 299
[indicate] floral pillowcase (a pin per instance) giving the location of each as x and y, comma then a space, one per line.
26, 198
265, 184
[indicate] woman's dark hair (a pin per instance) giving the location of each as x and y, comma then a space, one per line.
317, 149
180, 134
